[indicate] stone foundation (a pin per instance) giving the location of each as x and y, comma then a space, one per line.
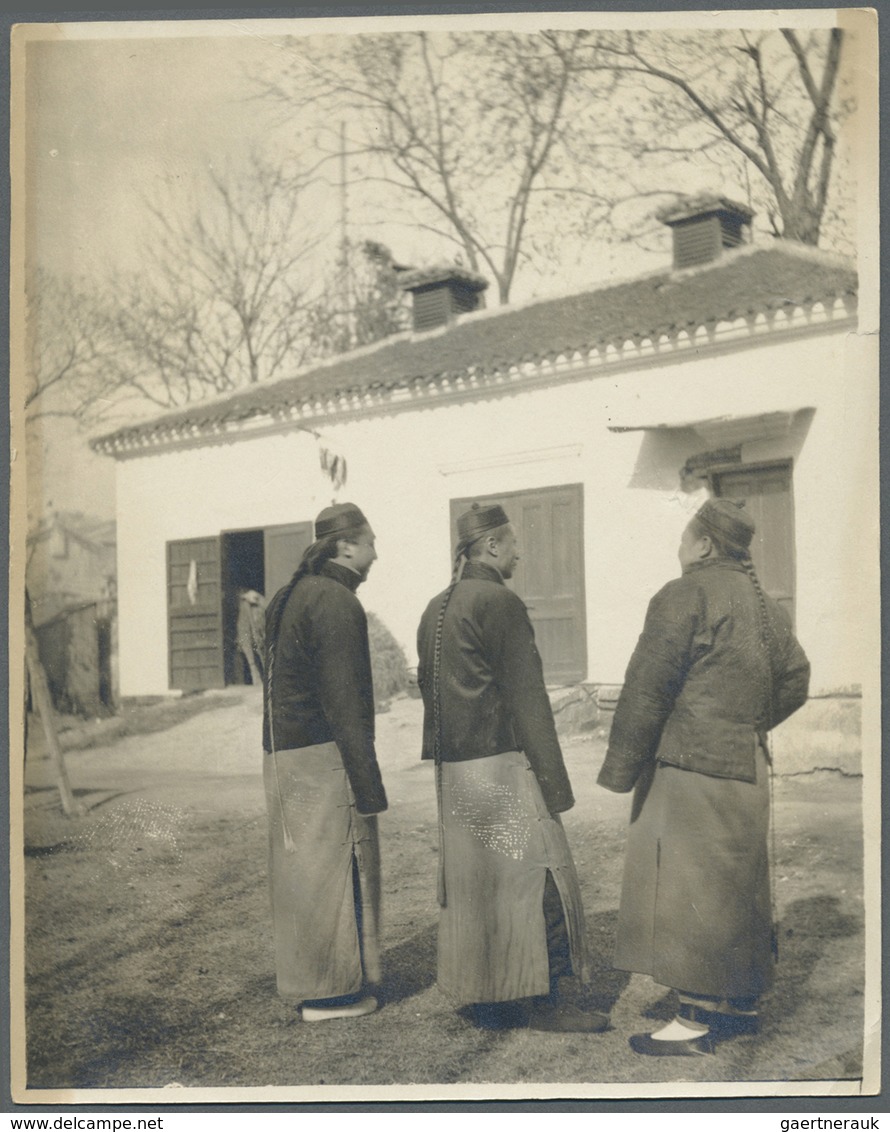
575, 708
824, 735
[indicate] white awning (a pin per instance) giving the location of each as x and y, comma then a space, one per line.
726, 431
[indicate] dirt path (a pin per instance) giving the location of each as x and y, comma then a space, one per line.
149, 959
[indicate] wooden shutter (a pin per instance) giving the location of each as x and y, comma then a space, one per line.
282, 550
768, 500
696, 241
549, 526
194, 608
432, 307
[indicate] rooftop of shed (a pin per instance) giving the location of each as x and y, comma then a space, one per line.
746, 283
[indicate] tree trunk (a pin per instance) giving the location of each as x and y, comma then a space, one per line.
801, 224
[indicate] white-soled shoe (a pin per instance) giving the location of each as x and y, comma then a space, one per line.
347, 1010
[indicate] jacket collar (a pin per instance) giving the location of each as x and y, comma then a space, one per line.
480, 572
341, 574
726, 563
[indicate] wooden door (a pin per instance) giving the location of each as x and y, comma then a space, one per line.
194, 609
549, 526
767, 495
282, 550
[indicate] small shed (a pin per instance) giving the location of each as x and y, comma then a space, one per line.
77, 650
71, 576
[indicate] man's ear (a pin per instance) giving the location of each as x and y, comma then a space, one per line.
707, 546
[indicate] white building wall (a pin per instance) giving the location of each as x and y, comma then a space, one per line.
404, 468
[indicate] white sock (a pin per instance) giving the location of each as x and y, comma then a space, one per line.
679, 1030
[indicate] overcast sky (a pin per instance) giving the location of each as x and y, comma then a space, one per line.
114, 120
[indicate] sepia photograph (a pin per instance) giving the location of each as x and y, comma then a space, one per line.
444, 603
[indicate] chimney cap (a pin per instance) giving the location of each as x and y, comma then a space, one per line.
700, 206
419, 277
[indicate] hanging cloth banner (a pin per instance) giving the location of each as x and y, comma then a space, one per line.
191, 586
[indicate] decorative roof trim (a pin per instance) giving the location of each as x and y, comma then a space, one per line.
479, 384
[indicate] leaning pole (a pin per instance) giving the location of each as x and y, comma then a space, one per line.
43, 703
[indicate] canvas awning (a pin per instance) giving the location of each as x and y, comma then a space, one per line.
726, 431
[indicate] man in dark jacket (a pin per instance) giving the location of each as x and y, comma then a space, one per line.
511, 921
716, 667
323, 784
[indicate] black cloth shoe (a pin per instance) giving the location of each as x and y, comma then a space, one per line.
723, 1024
695, 1046
565, 1018
500, 1015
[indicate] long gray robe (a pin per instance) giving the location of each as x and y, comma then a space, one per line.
503, 784
324, 872
704, 685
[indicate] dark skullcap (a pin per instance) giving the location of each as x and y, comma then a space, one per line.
727, 522
339, 519
474, 523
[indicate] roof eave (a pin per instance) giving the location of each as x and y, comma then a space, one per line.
590, 361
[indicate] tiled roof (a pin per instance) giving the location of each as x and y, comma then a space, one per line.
750, 282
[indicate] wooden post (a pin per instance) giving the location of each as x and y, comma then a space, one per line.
43, 704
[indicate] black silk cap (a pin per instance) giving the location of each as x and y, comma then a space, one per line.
339, 519
726, 520
478, 521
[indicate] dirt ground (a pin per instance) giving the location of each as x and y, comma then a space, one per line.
148, 941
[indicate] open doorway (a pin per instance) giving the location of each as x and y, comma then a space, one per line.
243, 569
206, 578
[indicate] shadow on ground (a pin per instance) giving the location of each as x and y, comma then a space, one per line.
410, 967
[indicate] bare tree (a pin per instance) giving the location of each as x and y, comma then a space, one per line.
72, 353
772, 98
226, 302
512, 146
222, 301
362, 303
470, 135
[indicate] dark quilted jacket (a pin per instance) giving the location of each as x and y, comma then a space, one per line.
702, 688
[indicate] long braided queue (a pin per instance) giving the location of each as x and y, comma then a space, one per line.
766, 636
310, 563
271, 641
437, 721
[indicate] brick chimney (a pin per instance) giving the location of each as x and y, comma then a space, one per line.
703, 226
442, 293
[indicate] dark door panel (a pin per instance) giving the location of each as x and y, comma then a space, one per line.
766, 492
283, 550
194, 606
549, 526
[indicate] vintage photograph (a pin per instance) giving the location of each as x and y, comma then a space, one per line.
444, 589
